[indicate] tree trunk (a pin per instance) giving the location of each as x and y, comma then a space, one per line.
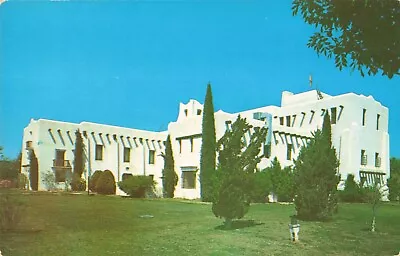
373, 224
228, 223
373, 219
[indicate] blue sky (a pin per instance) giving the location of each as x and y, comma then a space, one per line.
130, 63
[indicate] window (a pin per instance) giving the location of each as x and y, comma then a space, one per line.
333, 115
191, 144
99, 152
377, 121
288, 121
289, 151
186, 112
227, 124
199, 112
189, 179
60, 157
126, 175
363, 116
127, 155
267, 150
377, 160
281, 120
152, 154
293, 120
29, 144
363, 157
259, 116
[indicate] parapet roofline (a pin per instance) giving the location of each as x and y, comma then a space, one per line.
117, 127
190, 101
96, 124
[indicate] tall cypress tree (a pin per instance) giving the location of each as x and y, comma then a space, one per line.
79, 161
34, 171
327, 129
170, 178
316, 176
208, 149
77, 183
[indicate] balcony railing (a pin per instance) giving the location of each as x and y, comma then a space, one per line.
363, 160
61, 163
378, 162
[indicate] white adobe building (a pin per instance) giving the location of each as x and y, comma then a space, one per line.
359, 134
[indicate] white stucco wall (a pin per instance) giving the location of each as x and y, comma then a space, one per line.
349, 137
113, 139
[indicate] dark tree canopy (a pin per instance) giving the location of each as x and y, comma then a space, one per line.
394, 180
10, 168
282, 181
361, 34
33, 171
170, 178
208, 146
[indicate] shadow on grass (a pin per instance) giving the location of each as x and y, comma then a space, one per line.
20, 231
368, 230
238, 224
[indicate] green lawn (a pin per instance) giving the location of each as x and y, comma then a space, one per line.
107, 225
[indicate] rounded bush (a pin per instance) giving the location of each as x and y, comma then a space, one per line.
105, 185
137, 186
93, 180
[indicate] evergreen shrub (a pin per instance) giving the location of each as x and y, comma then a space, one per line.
137, 186
105, 184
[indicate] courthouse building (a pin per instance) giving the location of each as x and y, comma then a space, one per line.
359, 134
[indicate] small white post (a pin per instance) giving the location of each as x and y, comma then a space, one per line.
294, 232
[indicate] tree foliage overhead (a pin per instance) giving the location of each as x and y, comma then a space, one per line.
208, 148
361, 34
316, 176
170, 178
237, 163
33, 171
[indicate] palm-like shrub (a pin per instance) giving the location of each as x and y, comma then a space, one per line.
78, 184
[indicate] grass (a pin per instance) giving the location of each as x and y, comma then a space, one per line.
61, 224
